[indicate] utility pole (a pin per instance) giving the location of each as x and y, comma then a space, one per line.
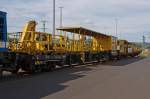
143, 38
54, 18
61, 15
61, 8
44, 25
116, 25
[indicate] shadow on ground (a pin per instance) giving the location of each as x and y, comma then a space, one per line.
124, 61
38, 86
41, 85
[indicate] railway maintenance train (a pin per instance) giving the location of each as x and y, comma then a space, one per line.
36, 51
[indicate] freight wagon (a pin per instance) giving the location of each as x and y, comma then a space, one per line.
123, 48
128, 48
133, 50
3, 36
3, 31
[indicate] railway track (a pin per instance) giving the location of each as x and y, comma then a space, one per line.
7, 76
24, 75
12, 77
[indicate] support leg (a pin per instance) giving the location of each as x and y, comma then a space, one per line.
1, 72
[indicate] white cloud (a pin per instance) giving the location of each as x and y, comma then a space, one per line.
99, 15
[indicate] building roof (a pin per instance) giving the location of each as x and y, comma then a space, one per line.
81, 30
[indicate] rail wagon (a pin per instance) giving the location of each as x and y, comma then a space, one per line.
128, 48
3, 36
123, 48
29, 52
92, 46
133, 49
3, 31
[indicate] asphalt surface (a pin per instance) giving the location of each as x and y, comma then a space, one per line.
124, 79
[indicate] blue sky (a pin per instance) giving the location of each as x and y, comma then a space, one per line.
133, 16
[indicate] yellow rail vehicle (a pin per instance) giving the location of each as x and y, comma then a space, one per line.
32, 42
123, 48
128, 49
89, 45
36, 51
133, 50
30, 52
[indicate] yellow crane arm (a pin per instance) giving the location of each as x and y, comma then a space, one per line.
26, 34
